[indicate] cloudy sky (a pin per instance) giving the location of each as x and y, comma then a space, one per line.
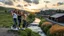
37, 4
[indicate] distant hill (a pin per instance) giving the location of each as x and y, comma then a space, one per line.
3, 8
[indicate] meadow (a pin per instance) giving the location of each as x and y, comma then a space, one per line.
5, 19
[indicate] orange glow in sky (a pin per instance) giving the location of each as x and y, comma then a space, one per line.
39, 6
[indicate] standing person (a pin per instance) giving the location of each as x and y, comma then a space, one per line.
19, 18
14, 15
24, 21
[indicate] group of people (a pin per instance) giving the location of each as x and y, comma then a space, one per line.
18, 17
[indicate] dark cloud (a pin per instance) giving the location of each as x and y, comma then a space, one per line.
34, 1
47, 1
8, 2
60, 3
19, 6
16, 0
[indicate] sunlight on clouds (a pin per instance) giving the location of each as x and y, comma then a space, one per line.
31, 6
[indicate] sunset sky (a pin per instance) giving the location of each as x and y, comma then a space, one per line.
53, 4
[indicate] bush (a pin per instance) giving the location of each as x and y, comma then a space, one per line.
56, 30
35, 34
30, 18
29, 32
48, 33
46, 24
26, 32
42, 21
46, 28
22, 33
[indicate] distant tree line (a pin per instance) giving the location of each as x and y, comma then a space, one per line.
50, 12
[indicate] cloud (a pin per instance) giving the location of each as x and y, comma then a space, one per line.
19, 6
60, 3
8, 2
34, 1
38, 3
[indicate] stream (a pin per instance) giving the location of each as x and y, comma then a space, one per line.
34, 27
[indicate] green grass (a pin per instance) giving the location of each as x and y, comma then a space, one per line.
5, 17
5, 20
26, 32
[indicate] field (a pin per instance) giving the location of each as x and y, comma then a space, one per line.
6, 21
5, 18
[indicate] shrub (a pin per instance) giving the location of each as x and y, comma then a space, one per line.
42, 21
29, 32
26, 32
46, 24
30, 18
56, 28
46, 28
22, 33
48, 33
35, 34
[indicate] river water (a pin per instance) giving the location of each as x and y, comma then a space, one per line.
34, 27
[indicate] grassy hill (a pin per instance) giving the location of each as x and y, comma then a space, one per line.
5, 18
7, 21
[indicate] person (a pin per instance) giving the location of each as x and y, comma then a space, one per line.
14, 15
19, 18
24, 20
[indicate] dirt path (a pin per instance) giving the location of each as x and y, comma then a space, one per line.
4, 32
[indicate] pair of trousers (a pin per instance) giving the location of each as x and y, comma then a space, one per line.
24, 23
15, 22
19, 21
